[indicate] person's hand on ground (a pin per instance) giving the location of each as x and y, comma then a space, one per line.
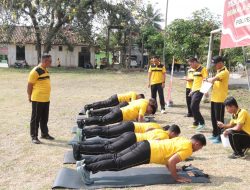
183, 180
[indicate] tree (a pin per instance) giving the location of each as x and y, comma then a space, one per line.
191, 37
50, 16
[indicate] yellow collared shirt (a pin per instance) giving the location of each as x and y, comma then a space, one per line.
162, 151
143, 127
220, 87
242, 117
157, 73
40, 79
127, 97
156, 134
134, 109
199, 75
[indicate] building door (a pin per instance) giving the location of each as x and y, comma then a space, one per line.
20, 53
81, 60
84, 59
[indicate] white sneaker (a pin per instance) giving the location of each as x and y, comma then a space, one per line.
201, 128
80, 163
87, 114
163, 111
84, 174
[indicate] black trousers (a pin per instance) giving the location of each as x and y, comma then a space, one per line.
135, 155
109, 131
112, 101
239, 140
217, 114
188, 101
104, 111
108, 146
158, 88
114, 116
195, 107
39, 117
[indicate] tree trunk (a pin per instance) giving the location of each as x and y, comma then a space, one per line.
129, 50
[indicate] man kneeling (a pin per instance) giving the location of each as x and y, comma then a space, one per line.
238, 130
122, 142
167, 152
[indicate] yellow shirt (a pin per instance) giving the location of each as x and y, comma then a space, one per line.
128, 97
157, 73
199, 75
156, 134
242, 117
134, 109
190, 73
40, 79
162, 150
143, 127
220, 87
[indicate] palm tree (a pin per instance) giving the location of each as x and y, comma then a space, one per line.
153, 17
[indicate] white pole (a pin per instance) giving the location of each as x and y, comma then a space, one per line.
165, 35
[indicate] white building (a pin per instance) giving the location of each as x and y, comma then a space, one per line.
19, 45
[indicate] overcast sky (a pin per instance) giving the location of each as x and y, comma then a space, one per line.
184, 8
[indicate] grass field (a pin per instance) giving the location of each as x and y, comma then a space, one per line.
27, 166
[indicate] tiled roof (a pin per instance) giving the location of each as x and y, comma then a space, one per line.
26, 35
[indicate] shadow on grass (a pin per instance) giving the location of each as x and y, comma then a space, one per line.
219, 180
57, 143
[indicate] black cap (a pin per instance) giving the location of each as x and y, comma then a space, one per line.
217, 59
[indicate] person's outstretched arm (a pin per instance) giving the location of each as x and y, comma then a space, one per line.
175, 159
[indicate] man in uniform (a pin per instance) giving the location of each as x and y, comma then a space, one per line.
167, 152
200, 73
156, 80
38, 90
218, 96
238, 130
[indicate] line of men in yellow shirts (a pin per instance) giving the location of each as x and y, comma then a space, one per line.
130, 143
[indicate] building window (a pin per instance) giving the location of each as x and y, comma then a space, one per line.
20, 52
60, 48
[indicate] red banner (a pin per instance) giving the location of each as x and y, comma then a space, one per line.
236, 24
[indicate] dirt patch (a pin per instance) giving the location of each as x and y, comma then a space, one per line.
27, 166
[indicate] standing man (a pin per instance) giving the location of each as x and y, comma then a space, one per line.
156, 80
39, 95
200, 73
218, 96
189, 79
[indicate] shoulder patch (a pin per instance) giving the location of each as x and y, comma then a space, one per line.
40, 71
160, 66
200, 69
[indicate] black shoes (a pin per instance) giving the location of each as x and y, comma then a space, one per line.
76, 152
80, 123
36, 141
235, 156
48, 137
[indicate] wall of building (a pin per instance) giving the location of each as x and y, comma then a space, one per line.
67, 58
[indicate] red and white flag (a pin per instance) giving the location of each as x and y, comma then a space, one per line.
236, 24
